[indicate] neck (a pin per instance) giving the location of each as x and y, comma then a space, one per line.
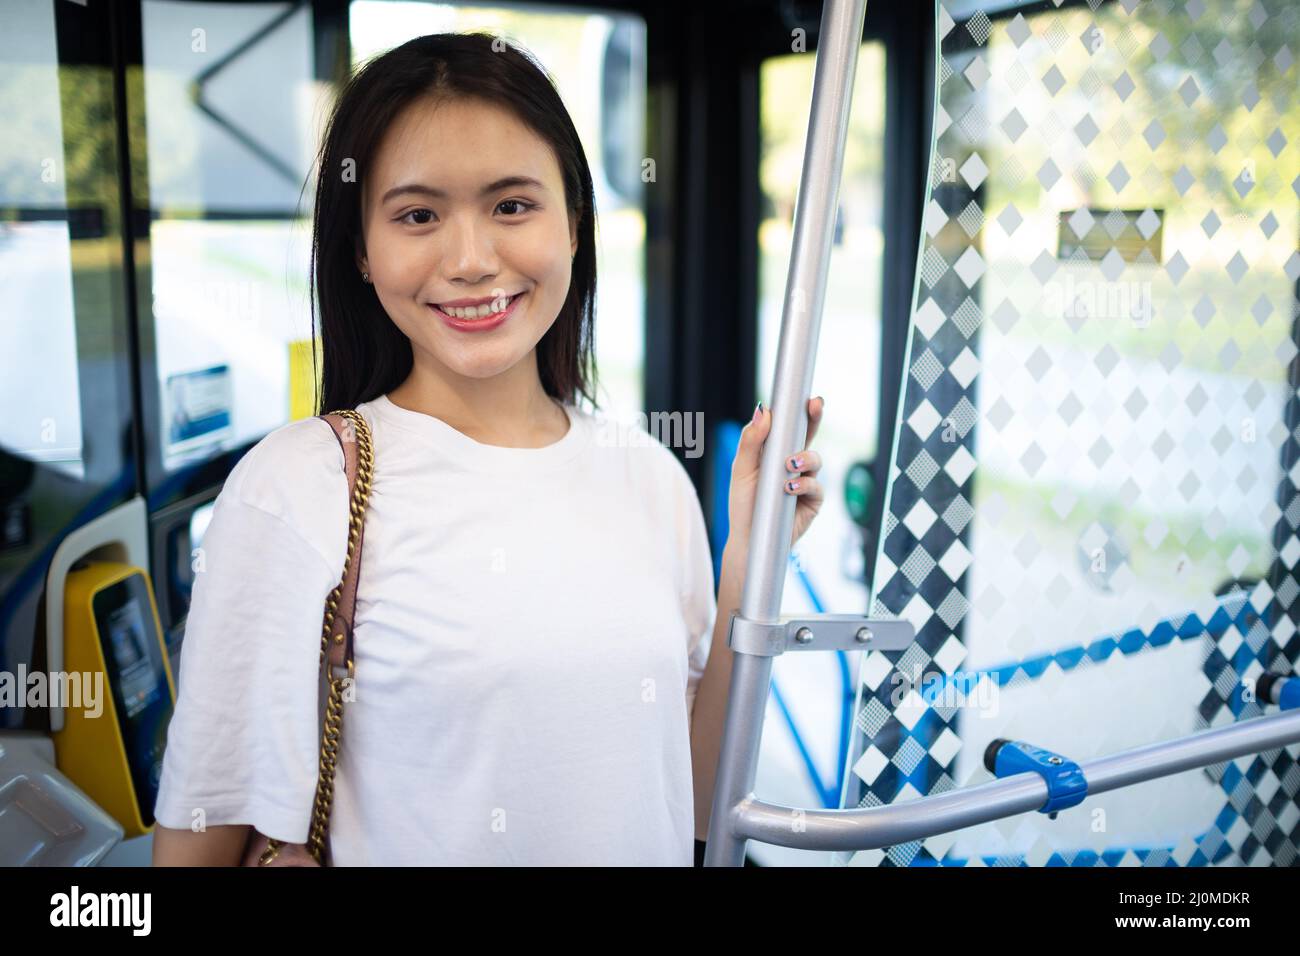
511, 410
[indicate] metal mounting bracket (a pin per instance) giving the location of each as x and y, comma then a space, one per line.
818, 632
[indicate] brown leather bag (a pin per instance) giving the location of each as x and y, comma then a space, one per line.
353, 434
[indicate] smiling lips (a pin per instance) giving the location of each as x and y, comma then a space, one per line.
479, 318
477, 308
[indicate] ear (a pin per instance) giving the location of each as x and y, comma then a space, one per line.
359, 249
573, 237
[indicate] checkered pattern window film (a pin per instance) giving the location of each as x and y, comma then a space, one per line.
1092, 510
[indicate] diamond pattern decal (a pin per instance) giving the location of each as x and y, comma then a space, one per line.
1093, 505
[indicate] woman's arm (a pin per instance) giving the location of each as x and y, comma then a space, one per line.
711, 696
216, 846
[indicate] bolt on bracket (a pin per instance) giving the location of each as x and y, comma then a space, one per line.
818, 632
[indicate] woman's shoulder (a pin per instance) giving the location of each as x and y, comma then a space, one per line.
644, 445
292, 473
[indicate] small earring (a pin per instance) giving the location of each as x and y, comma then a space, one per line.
365, 277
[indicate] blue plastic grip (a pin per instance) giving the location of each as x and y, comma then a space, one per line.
1290, 696
1288, 690
1066, 785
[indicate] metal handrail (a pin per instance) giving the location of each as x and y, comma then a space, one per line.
773, 521
896, 823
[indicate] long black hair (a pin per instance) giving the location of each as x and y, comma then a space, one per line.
364, 354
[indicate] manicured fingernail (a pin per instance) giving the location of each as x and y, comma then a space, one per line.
793, 485
796, 464
758, 410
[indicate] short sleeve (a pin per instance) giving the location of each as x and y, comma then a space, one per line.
698, 593
243, 743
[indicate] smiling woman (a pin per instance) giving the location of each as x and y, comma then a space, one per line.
535, 606
478, 237
451, 176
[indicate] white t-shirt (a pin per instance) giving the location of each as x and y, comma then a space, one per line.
531, 626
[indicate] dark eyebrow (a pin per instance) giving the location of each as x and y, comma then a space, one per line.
418, 189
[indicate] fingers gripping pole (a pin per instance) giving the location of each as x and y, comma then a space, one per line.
769, 538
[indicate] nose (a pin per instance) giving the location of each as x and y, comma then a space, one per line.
470, 254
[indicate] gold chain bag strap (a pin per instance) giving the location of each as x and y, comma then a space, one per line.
353, 434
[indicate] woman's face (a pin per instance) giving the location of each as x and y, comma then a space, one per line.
441, 225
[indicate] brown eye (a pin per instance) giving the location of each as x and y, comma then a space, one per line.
523, 206
416, 212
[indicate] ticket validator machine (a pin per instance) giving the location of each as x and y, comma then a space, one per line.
71, 797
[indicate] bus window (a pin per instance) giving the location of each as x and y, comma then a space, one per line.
226, 139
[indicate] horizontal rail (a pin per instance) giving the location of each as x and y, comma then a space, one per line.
875, 827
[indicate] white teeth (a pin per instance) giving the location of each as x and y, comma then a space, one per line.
480, 311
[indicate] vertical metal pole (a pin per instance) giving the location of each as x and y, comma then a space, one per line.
773, 521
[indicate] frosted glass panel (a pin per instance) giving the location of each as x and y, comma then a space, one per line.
1091, 518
